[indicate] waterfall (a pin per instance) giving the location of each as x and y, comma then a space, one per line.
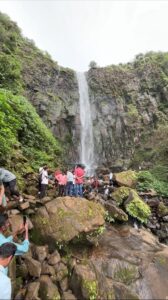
87, 143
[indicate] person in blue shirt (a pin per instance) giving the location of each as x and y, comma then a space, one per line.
4, 225
7, 251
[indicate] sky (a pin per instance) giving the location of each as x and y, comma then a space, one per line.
75, 32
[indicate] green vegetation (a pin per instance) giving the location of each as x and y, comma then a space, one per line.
91, 287
121, 194
126, 275
138, 209
147, 181
21, 127
162, 209
132, 113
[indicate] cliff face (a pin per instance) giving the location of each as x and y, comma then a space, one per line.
54, 93
129, 107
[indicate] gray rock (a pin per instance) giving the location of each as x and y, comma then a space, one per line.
54, 258
33, 266
32, 291
48, 290
40, 252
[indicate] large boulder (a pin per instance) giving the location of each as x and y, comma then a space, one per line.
65, 218
135, 265
126, 178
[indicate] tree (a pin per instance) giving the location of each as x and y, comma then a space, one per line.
93, 65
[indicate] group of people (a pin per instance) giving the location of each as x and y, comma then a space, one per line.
73, 182
69, 183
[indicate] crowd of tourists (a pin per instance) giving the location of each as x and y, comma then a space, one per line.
72, 182
67, 183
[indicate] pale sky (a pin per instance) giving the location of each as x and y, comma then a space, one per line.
76, 32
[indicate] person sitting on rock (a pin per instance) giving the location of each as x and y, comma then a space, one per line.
7, 251
9, 181
23, 247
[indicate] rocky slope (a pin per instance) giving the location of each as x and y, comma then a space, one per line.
83, 259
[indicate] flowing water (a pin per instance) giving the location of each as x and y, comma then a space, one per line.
87, 142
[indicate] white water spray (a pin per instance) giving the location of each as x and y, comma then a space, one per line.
87, 143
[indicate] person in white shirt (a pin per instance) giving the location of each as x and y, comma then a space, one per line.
7, 251
44, 182
70, 183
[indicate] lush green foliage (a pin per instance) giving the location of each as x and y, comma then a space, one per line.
138, 209
121, 194
20, 126
147, 181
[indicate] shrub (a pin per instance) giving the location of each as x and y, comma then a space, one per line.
20, 125
146, 182
138, 209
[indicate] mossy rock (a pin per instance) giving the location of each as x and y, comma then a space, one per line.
126, 178
162, 209
65, 218
115, 212
121, 194
137, 208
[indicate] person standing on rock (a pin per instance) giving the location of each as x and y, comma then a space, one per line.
23, 247
9, 181
7, 251
69, 185
44, 182
79, 180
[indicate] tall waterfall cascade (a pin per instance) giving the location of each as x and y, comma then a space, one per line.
87, 141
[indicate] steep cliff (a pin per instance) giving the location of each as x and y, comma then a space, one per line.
130, 111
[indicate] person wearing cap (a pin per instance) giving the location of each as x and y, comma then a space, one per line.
7, 251
23, 247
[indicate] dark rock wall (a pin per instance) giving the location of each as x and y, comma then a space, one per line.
124, 111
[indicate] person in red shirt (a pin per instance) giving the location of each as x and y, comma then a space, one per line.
79, 179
